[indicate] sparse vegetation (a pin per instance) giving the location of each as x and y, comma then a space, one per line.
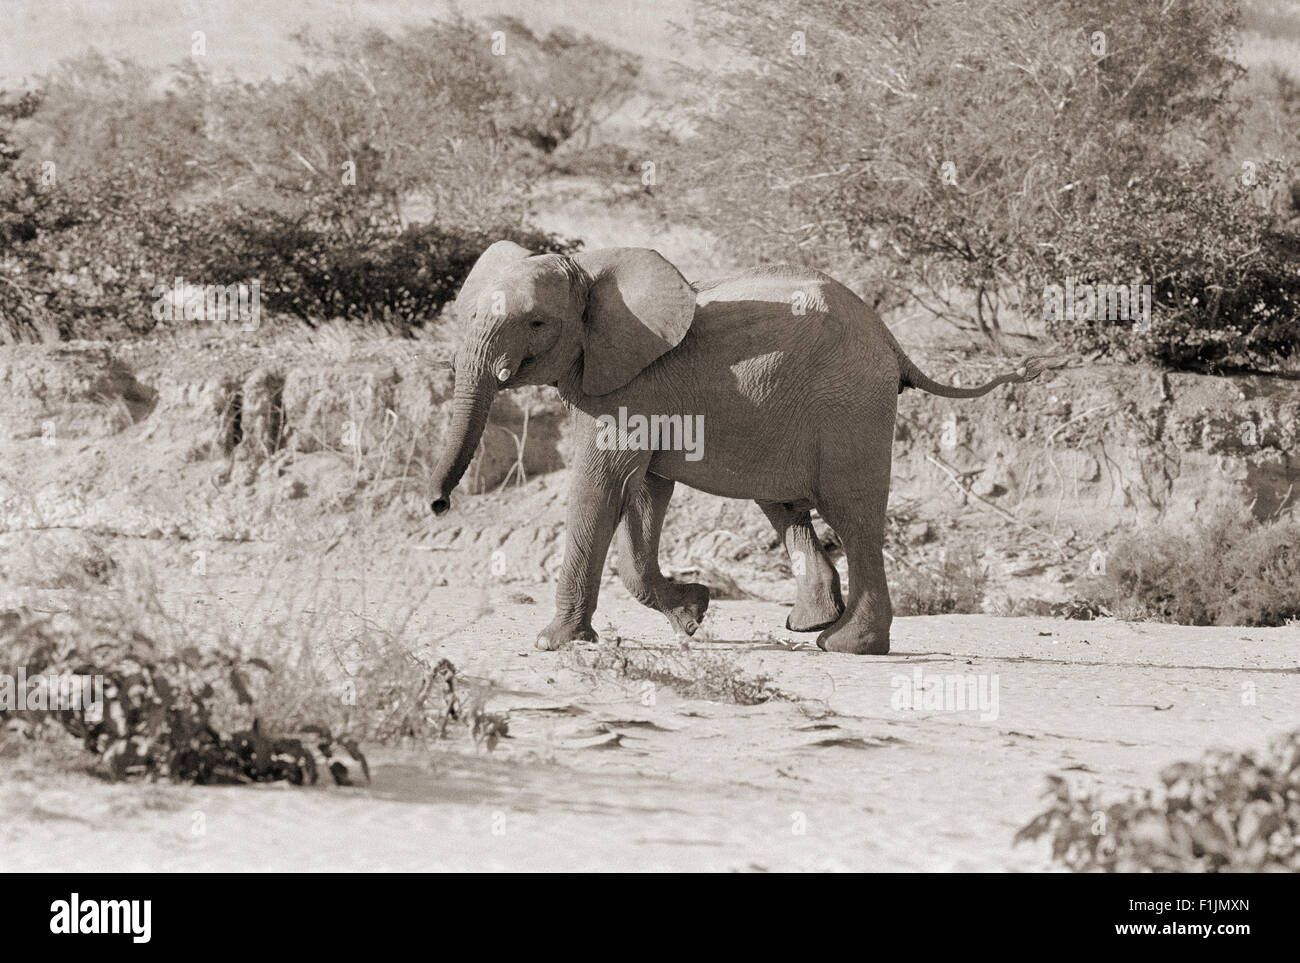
170, 715
1225, 277
1232, 812
85, 256
564, 85
309, 619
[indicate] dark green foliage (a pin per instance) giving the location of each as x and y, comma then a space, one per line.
374, 270
979, 153
211, 715
83, 258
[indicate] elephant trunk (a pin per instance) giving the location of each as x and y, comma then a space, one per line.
476, 386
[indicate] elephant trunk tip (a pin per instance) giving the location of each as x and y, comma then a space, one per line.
475, 389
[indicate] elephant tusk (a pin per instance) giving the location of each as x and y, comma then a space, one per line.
503, 375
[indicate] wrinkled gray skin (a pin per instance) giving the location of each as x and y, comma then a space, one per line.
797, 380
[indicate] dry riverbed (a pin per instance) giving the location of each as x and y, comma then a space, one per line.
602, 772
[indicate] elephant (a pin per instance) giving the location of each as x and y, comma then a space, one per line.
795, 378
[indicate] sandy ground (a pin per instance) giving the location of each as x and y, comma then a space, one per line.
608, 774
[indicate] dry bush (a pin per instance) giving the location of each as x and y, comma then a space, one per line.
1230, 812
336, 667
1226, 569
953, 586
306, 183
1224, 276
563, 84
981, 152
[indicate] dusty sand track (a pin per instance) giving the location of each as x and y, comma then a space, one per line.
594, 778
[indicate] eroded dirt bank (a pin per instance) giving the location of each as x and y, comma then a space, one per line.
278, 444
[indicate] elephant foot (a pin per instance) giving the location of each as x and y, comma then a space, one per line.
855, 639
685, 605
812, 615
559, 632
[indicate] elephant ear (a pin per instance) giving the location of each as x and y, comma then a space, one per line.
489, 266
638, 307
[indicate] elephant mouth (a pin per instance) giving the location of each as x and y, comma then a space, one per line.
515, 378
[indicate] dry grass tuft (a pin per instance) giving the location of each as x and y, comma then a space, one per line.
690, 673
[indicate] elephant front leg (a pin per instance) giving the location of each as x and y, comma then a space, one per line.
818, 602
683, 604
597, 494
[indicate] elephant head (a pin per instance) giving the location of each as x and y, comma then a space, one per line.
531, 318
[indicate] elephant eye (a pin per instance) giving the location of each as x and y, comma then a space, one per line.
538, 324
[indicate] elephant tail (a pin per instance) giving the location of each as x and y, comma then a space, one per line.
910, 376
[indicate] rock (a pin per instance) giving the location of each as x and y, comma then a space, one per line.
995, 480
336, 408
918, 533
1084, 467
205, 410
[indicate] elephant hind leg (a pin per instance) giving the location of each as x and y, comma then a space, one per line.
682, 603
818, 602
858, 517
852, 497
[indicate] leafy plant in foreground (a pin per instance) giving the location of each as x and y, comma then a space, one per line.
1230, 812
